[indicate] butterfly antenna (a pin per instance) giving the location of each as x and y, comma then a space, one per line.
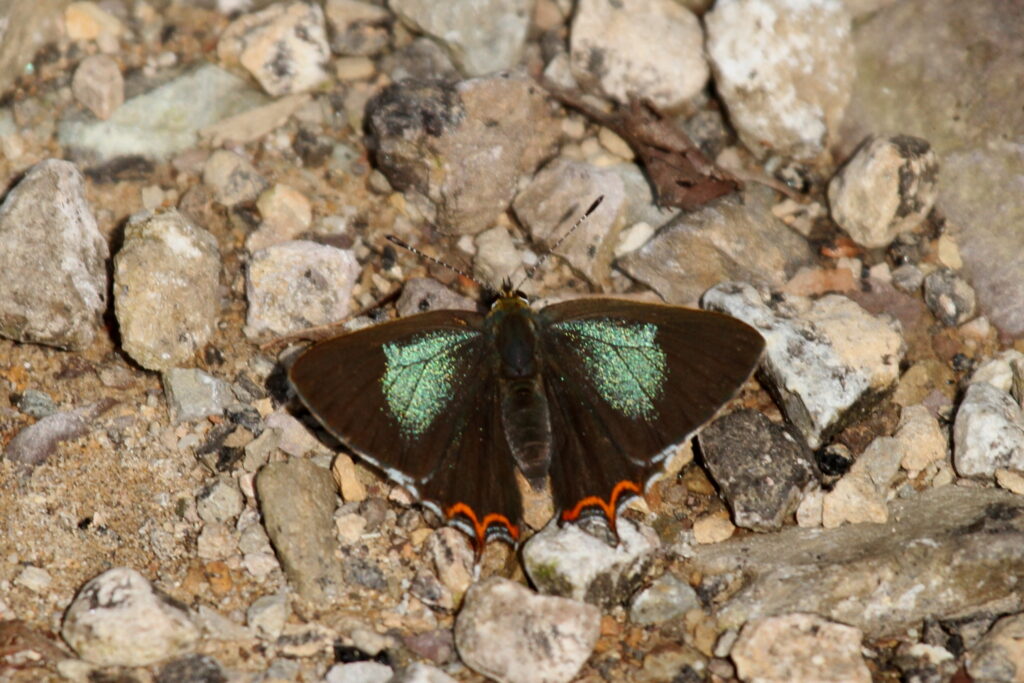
458, 271
579, 221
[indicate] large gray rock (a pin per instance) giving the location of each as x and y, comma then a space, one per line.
946, 553
53, 277
955, 81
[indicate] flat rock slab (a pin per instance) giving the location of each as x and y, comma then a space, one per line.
947, 553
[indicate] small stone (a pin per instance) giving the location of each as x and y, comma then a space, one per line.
430, 137
169, 265
232, 178
193, 394
1011, 480
632, 238
283, 46
422, 60
611, 141
350, 527
267, 615
418, 672
37, 404
824, 357
118, 619
761, 470
665, 600
762, 52
216, 542
354, 68
191, 669
36, 579
53, 277
452, 559
297, 285
220, 501
357, 28
482, 36
988, 433
88, 21
344, 470
557, 198
948, 252
497, 258
569, 562
949, 297
799, 647
286, 214
255, 123
712, 529
359, 672
509, 633
733, 238
297, 500
861, 494
295, 439
887, 188
422, 294
34, 444
998, 656
921, 439
98, 85
908, 278
650, 49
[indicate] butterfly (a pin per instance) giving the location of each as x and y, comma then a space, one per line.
593, 394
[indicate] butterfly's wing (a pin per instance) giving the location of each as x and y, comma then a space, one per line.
627, 382
416, 397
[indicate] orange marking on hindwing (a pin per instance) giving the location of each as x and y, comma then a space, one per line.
608, 508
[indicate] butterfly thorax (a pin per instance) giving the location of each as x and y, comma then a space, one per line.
512, 325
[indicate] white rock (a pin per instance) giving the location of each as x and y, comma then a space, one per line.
988, 433
785, 70
921, 439
652, 49
888, 187
861, 495
118, 619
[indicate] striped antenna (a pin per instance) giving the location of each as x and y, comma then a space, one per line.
530, 271
458, 271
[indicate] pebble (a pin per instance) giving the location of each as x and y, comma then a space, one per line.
921, 438
908, 278
418, 672
359, 672
354, 68
507, 632
220, 501
429, 137
89, 21
650, 49
233, 179
482, 36
35, 579
216, 542
452, 559
497, 258
569, 562
861, 494
169, 265
193, 394
34, 444
422, 294
297, 500
267, 615
98, 85
422, 59
712, 529
164, 121
665, 600
357, 28
998, 656
53, 277
762, 53
949, 297
988, 433
297, 285
869, 575
118, 619
350, 527
286, 214
37, 404
192, 669
759, 468
887, 188
800, 647
294, 438
557, 198
284, 47
255, 124
733, 238
824, 357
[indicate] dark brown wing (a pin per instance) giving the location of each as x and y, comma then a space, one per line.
415, 398
627, 382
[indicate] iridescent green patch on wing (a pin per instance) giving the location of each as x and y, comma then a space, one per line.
418, 375
627, 365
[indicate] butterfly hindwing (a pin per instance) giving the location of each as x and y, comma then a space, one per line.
627, 381
412, 397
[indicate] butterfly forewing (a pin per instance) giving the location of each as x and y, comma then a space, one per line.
627, 381
411, 396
